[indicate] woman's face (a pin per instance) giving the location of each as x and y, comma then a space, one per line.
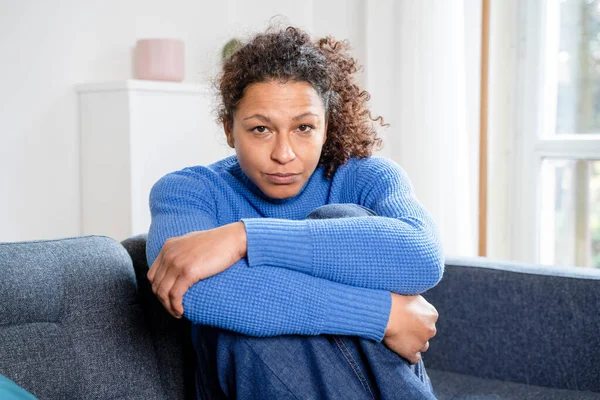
278, 132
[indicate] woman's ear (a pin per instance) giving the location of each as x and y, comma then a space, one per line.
325, 133
228, 134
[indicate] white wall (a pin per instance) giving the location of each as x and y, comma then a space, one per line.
52, 46
49, 47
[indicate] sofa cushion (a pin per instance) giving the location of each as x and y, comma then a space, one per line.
453, 386
522, 323
11, 391
71, 326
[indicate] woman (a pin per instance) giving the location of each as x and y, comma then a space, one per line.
231, 247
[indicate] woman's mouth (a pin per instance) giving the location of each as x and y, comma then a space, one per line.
282, 179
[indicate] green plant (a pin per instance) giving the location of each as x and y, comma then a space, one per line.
230, 47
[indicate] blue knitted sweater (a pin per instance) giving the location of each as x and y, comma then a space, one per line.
311, 277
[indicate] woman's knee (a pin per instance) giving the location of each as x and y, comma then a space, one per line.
269, 347
348, 210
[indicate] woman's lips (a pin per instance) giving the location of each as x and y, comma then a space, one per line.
282, 179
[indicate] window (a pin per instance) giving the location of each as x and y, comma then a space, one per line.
557, 200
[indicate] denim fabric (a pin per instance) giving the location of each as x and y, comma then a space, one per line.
235, 366
340, 211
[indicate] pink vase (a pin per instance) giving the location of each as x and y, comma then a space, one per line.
159, 60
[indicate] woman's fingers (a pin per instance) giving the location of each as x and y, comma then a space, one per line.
166, 265
164, 289
181, 285
155, 266
170, 284
415, 359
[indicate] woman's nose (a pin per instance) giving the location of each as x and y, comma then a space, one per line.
283, 152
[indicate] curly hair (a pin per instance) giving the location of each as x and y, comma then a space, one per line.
290, 55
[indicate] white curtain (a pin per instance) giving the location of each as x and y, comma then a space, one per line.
415, 71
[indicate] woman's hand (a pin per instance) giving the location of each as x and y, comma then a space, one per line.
187, 259
411, 325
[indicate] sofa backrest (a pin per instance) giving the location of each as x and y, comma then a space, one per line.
518, 322
170, 337
71, 322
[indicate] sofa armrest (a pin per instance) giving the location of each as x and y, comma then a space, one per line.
71, 326
518, 322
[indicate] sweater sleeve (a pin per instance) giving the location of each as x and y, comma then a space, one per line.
261, 302
399, 250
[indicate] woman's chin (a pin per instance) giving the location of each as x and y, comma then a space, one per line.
281, 192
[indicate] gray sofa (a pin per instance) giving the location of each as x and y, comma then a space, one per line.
78, 321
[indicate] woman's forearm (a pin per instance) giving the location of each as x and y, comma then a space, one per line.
373, 252
275, 301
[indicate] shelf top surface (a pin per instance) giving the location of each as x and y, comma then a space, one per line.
139, 85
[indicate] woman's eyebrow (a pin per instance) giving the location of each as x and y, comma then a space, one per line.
259, 116
267, 119
306, 114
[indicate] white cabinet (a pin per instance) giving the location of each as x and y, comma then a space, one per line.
132, 133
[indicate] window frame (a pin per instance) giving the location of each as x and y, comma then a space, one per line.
535, 115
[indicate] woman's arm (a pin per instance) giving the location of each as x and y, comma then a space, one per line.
263, 301
398, 250
273, 301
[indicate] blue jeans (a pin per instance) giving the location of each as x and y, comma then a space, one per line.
236, 366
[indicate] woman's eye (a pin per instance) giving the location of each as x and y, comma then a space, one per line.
305, 128
260, 129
